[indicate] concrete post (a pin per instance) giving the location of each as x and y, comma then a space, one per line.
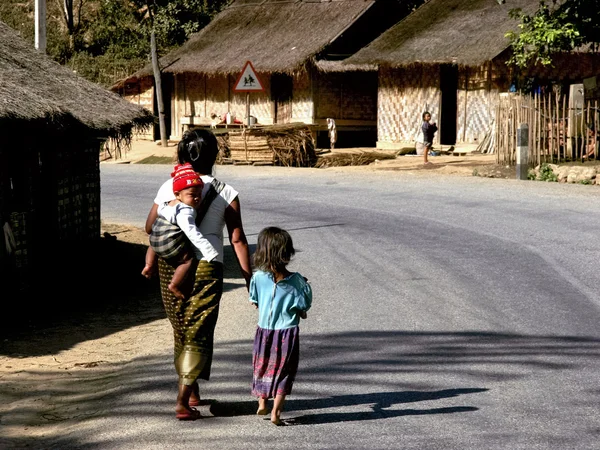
522, 151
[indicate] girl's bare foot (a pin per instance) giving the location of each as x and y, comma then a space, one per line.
276, 420
262, 407
277, 407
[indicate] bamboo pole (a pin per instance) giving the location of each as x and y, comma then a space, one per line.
564, 126
538, 113
557, 128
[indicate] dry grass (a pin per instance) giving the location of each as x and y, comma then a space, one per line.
352, 159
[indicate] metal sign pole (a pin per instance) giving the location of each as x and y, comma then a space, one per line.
248, 109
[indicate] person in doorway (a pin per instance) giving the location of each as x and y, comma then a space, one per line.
194, 319
425, 140
168, 237
282, 298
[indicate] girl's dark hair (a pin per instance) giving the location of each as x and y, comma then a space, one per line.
274, 250
199, 148
426, 113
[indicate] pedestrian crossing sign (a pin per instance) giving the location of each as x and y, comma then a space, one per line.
248, 81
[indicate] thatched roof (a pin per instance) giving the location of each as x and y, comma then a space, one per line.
275, 35
34, 88
339, 66
463, 32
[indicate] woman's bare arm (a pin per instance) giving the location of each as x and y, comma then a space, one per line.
237, 238
152, 215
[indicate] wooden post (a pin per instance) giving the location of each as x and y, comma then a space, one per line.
248, 109
158, 87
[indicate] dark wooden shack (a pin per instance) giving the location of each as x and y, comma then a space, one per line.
52, 126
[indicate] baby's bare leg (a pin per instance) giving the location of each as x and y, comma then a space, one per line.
179, 276
150, 267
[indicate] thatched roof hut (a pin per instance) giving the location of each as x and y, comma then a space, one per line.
462, 32
52, 126
39, 92
276, 36
296, 48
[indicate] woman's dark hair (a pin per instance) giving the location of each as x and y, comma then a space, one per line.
274, 250
199, 148
426, 113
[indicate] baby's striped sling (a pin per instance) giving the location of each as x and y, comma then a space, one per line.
167, 239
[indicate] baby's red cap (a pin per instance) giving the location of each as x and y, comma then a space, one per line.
184, 176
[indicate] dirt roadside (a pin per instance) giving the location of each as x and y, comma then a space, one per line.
461, 164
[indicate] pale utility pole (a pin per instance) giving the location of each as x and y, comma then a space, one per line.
40, 25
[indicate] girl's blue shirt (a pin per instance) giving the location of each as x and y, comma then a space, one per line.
279, 303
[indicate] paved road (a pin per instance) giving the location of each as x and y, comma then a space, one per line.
449, 313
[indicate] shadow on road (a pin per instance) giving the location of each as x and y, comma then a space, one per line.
377, 406
364, 373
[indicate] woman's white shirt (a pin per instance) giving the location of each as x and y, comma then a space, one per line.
213, 223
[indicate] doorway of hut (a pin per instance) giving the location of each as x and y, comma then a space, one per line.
449, 104
167, 83
281, 97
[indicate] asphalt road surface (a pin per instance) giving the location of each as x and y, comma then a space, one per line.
449, 313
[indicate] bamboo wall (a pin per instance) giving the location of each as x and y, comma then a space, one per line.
198, 96
403, 95
478, 90
302, 97
346, 95
141, 94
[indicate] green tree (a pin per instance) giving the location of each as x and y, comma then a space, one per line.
554, 27
104, 40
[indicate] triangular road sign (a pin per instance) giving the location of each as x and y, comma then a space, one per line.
248, 80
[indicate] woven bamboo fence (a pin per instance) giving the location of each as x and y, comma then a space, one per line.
557, 133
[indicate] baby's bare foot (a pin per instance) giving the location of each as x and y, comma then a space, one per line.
148, 271
176, 292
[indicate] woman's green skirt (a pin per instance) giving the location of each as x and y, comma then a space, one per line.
193, 319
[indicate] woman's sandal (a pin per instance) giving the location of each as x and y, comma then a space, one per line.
194, 414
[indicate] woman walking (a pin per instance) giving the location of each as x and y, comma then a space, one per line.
194, 318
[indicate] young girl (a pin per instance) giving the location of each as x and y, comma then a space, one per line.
282, 298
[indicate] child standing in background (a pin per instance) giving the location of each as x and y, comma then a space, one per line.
425, 141
282, 298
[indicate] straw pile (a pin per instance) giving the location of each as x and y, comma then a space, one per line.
352, 159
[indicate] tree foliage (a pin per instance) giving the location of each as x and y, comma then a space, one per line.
105, 40
557, 26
